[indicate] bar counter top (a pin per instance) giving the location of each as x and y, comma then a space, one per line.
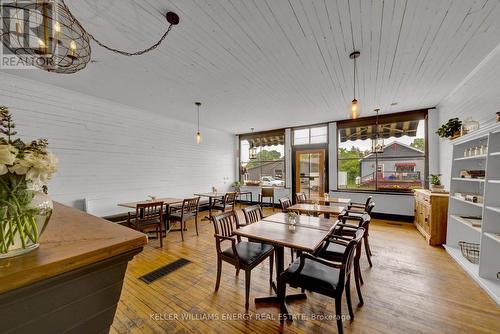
72, 239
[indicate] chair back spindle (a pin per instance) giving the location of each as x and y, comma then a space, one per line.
148, 212
300, 197
225, 223
190, 207
285, 203
252, 214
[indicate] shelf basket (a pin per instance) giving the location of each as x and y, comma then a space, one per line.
470, 251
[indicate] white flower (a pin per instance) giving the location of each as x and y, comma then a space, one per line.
42, 166
37, 167
20, 167
8, 155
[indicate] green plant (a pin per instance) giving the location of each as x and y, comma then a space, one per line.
435, 179
450, 128
21, 166
236, 184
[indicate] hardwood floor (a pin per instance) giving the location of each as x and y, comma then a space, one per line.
412, 288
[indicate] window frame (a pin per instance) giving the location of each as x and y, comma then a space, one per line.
309, 127
248, 136
388, 118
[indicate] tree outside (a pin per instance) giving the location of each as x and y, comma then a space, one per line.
419, 144
264, 156
349, 162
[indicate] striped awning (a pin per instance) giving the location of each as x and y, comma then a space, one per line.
396, 129
264, 139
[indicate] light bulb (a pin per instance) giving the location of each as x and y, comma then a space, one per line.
354, 108
41, 44
57, 30
72, 48
198, 137
19, 27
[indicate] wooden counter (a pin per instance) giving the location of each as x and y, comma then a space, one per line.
73, 279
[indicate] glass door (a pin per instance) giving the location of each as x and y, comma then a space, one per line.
310, 172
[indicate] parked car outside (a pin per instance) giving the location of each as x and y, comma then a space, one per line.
269, 181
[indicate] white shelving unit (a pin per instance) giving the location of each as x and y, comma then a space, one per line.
487, 272
467, 180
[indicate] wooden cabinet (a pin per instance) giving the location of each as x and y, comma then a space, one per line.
431, 215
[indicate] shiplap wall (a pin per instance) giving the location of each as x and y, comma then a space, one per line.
477, 96
111, 153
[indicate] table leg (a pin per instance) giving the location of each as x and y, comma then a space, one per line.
209, 210
280, 267
167, 220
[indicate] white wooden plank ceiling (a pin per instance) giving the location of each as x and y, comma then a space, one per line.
275, 63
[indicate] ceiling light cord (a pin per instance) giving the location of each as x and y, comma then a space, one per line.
354, 78
125, 53
198, 117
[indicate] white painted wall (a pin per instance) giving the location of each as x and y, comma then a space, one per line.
111, 153
400, 204
477, 96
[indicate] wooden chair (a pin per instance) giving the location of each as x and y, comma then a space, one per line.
329, 278
226, 203
359, 214
300, 198
252, 214
334, 251
285, 204
360, 207
189, 210
147, 217
266, 193
244, 255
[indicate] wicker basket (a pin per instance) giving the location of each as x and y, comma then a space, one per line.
470, 251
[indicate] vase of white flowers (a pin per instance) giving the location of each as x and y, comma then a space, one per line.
25, 207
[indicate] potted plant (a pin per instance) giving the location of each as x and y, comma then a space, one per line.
25, 208
435, 183
450, 129
237, 186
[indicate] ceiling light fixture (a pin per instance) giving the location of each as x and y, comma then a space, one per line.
252, 151
46, 35
354, 104
198, 134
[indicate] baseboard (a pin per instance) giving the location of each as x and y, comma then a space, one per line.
390, 216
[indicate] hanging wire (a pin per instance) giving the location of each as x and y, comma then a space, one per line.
126, 53
198, 105
354, 78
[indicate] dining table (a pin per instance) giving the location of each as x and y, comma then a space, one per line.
329, 200
167, 202
305, 236
211, 196
321, 223
314, 209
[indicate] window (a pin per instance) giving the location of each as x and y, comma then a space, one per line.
266, 167
314, 135
396, 162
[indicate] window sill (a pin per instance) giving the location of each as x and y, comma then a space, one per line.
378, 192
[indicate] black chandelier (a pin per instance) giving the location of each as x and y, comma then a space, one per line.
46, 35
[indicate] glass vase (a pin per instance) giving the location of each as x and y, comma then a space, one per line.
20, 229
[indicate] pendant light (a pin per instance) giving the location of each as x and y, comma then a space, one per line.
377, 142
198, 134
354, 103
252, 151
45, 34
